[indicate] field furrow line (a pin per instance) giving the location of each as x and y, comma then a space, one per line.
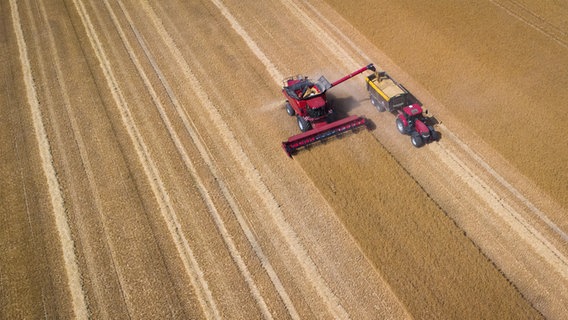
235, 254
500, 207
530, 18
207, 158
154, 179
79, 141
322, 35
78, 299
332, 26
527, 203
270, 67
251, 173
25, 191
28, 214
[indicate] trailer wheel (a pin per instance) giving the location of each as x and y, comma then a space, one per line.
289, 109
373, 100
400, 126
303, 124
416, 140
380, 107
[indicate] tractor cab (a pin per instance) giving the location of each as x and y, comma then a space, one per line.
412, 112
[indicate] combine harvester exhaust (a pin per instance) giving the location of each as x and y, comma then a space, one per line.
307, 101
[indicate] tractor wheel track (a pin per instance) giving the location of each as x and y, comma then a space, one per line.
535, 21
152, 174
75, 287
251, 174
78, 216
25, 239
190, 166
59, 140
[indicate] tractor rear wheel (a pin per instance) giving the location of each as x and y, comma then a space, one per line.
400, 126
289, 109
434, 135
416, 140
303, 124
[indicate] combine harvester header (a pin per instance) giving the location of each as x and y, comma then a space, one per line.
307, 101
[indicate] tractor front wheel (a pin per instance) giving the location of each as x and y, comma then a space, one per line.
289, 109
303, 124
400, 126
416, 140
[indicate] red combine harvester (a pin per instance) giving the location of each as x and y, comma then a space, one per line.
307, 101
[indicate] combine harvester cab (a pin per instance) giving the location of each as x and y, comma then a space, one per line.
307, 100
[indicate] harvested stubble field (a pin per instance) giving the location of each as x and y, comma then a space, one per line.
408, 238
142, 175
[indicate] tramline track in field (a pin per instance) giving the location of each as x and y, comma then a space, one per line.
166, 208
537, 22
203, 152
72, 270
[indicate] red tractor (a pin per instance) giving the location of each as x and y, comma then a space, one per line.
411, 120
307, 100
388, 95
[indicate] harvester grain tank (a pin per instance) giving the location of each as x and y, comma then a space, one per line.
307, 100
